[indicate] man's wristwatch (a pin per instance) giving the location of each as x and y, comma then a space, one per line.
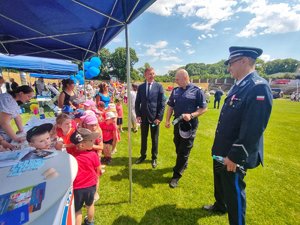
192, 117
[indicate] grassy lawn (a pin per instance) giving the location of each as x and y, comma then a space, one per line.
273, 191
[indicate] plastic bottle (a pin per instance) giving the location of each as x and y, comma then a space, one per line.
42, 114
177, 120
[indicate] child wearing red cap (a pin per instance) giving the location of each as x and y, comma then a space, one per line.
86, 179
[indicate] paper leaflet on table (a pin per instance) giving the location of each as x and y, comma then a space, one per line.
20, 203
39, 154
9, 158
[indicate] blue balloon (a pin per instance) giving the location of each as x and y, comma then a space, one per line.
95, 61
86, 65
80, 72
94, 71
73, 78
88, 75
78, 76
81, 81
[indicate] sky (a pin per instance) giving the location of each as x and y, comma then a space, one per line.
173, 33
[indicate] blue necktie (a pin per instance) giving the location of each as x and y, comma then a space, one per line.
148, 91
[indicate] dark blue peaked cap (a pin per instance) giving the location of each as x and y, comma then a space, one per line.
238, 51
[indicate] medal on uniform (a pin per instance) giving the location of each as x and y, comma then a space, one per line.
231, 100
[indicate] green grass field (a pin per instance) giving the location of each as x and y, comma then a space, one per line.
273, 191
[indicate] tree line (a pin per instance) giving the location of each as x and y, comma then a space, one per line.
114, 64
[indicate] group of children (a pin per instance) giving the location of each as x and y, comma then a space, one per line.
86, 135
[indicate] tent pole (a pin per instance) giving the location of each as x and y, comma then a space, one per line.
129, 111
84, 80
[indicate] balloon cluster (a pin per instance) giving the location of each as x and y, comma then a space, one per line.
34, 108
79, 77
91, 69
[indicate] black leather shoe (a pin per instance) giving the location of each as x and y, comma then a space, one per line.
140, 160
154, 163
214, 209
173, 183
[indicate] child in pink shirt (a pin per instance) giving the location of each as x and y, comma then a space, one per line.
109, 132
119, 109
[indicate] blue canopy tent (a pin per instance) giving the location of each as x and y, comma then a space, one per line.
69, 29
37, 64
49, 76
74, 30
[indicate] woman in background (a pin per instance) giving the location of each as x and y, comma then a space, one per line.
68, 95
103, 94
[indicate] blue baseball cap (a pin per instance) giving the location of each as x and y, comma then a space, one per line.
67, 109
78, 113
238, 51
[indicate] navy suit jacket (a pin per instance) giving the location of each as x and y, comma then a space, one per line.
152, 107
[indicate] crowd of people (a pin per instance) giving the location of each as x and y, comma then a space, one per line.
90, 129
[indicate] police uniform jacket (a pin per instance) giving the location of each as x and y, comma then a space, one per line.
187, 100
243, 119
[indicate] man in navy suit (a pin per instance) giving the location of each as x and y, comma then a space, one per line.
239, 134
149, 108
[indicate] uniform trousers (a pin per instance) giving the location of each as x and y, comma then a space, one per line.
218, 103
183, 148
229, 190
154, 137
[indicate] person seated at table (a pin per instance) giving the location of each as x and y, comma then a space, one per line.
39, 136
68, 95
88, 173
65, 127
10, 109
4, 145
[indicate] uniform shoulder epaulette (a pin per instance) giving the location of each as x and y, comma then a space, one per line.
258, 80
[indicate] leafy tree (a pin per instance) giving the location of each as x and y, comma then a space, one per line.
134, 75
118, 62
142, 69
281, 66
260, 67
171, 73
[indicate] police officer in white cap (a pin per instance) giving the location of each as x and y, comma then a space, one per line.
239, 134
187, 102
